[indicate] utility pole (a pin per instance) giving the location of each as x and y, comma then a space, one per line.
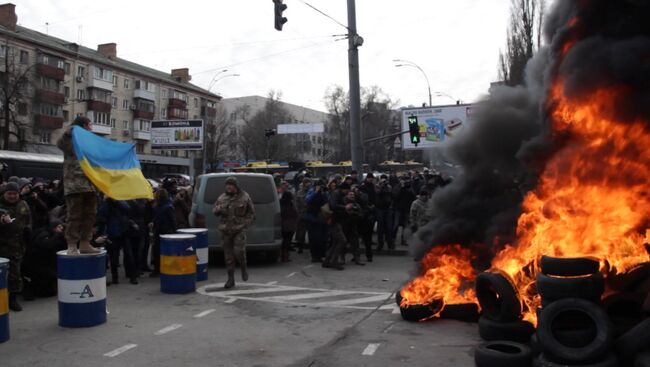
354, 41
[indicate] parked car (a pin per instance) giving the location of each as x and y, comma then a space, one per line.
265, 232
181, 179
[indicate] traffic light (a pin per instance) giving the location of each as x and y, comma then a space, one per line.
414, 130
279, 19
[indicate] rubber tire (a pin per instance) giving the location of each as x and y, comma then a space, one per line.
535, 347
568, 266
642, 359
502, 353
592, 351
416, 313
634, 341
625, 310
590, 287
515, 331
398, 298
507, 306
467, 312
609, 361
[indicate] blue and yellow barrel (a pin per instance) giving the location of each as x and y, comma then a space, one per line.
201, 247
177, 263
4, 300
81, 289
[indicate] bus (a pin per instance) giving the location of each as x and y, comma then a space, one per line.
262, 167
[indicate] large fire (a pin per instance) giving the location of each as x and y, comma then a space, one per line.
592, 200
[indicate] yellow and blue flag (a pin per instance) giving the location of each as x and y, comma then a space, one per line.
111, 166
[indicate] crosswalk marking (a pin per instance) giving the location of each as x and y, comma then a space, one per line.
370, 349
309, 297
120, 350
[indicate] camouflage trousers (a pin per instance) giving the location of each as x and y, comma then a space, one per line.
82, 212
234, 249
15, 278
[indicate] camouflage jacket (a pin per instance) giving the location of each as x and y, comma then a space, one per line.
419, 215
301, 200
74, 179
236, 212
13, 235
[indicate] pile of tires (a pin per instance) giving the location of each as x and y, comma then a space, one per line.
575, 326
501, 324
467, 312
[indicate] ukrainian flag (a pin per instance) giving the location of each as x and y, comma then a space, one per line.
111, 166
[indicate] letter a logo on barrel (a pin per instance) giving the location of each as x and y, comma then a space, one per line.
85, 293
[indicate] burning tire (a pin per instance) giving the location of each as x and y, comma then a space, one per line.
534, 345
574, 330
634, 341
415, 313
498, 297
643, 359
467, 312
516, 331
589, 287
625, 310
568, 267
502, 353
543, 361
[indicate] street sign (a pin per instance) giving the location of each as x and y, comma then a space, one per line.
301, 128
177, 134
437, 125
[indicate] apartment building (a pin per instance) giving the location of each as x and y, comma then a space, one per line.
120, 97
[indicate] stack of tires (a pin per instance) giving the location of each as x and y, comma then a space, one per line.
501, 324
574, 328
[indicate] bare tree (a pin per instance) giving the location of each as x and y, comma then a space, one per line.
219, 135
14, 92
523, 39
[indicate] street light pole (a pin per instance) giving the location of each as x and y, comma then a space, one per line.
354, 41
403, 63
215, 81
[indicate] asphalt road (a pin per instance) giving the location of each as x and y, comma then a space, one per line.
286, 315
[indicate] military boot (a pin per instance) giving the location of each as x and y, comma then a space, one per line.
231, 280
13, 303
244, 272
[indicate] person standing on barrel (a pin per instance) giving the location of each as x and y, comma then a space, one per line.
236, 212
80, 196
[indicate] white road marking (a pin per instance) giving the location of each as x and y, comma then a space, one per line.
294, 297
204, 313
396, 310
167, 329
267, 289
290, 275
230, 300
308, 266
348, 302
370, 349
120, 350
272, 283
387, 329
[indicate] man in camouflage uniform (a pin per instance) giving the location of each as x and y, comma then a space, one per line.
15, 227
301, 206
236, 212
419, 214
80, 196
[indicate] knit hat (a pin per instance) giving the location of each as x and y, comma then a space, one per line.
11, 187
55, 223
23, 182
370, 175
232, 181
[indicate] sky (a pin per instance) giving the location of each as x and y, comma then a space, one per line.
455, 42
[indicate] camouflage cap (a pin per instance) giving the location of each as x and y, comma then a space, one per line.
232, 181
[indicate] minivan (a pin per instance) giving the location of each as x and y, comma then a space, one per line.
265, 232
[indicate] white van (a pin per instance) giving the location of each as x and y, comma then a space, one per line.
265, 232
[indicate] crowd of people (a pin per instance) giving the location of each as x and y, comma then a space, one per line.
337, 216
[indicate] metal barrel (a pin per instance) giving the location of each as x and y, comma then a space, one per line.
201, 247
81, 289
177, 263
4, 300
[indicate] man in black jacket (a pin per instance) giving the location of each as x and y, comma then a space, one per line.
39, 265
339, 215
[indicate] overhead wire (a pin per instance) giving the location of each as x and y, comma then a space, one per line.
325, 14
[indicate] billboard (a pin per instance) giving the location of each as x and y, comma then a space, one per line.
438, 124
177, 134
301, 128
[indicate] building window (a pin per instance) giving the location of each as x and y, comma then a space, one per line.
66, 67
49, 84
115, 80
163, 113
102, 74
114, 102
100, 118
196, 102
4, 50
125, 104
24, 57
100, 95
179, 95
139, 148
81, 94
113, 123
142, 125
126, 83
45, 137
66, 92
81, 71
22, 109
66, 115
125, 125
47, 109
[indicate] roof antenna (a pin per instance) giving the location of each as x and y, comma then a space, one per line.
47, 28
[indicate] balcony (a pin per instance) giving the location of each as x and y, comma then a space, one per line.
142, 135
50, 72
51, 97
99, 106
144, 94
100, 84
176, 113
208, 111
48, 122
178, 103
143, 115
101, 129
